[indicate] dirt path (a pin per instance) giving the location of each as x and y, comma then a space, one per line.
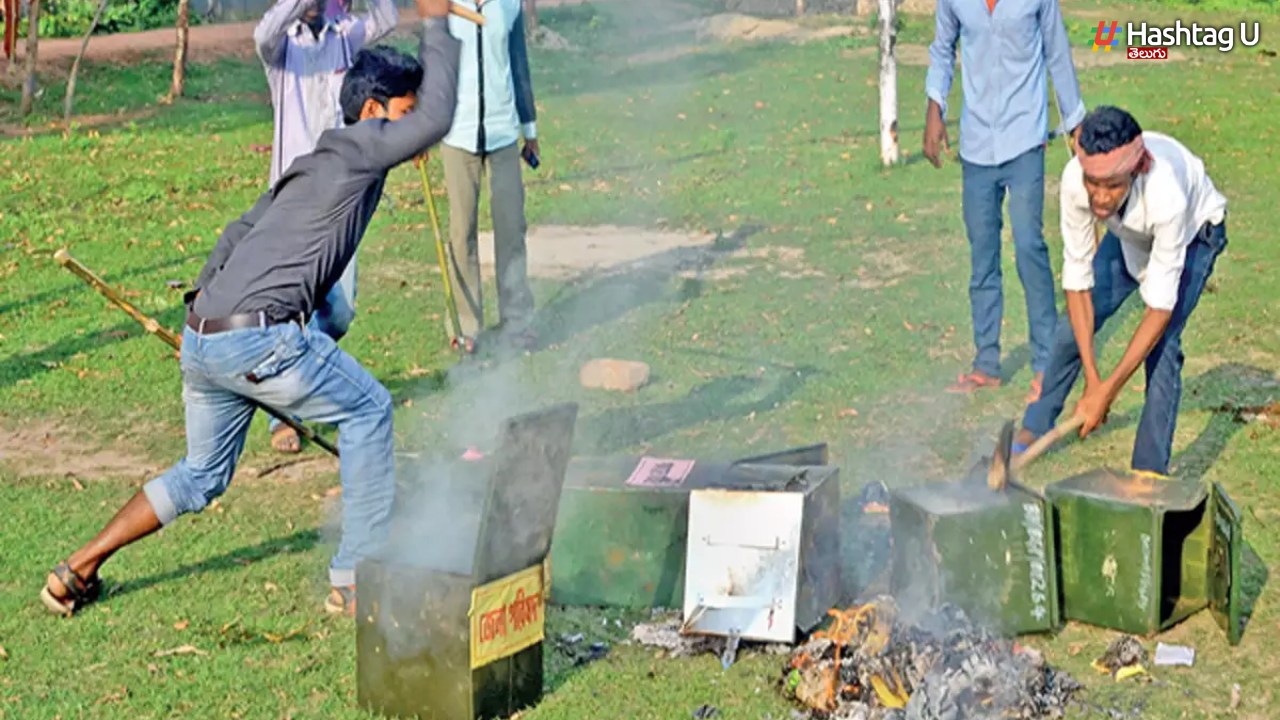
207, 42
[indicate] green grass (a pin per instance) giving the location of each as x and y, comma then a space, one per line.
776, 144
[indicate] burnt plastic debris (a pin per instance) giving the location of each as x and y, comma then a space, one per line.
875, 663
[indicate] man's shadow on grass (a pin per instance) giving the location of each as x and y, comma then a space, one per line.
617, 429
301, 541
596, 298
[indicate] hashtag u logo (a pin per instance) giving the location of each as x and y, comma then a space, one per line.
1105, 38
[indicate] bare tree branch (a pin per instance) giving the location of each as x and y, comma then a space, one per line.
69, 99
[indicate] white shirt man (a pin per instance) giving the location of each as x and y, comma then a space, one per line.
1166, 226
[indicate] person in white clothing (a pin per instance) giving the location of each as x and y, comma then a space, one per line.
1165, 228
306, 47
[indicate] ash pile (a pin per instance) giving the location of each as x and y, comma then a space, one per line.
871, 665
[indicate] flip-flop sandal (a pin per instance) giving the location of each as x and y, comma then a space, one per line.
466, 344
79, 591
344, 603
966, 383
282, 442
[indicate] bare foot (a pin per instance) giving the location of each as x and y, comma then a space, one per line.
1036, 383
285, 439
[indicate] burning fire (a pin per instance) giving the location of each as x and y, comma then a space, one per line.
870, 664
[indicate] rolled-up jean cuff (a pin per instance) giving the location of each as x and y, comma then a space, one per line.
161, 504
339, 577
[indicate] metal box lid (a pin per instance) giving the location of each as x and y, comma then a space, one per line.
675, 474
743, 565
1224, 565
526, 475
1133, 489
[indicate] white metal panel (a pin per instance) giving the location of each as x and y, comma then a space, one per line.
743, 564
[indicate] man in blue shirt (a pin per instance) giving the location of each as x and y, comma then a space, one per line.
1005, 48
495, 107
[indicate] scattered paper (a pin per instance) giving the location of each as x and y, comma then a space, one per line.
660, 472
1175, 655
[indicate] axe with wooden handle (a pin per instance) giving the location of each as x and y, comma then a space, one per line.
1045, 441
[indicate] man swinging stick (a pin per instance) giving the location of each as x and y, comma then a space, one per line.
1165, 229
247, 335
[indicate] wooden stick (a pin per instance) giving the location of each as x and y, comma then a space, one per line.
1046, 440
155, 328
472, 15
149, 324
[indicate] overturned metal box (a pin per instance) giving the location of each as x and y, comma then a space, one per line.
620, 536
764, 554
988, 552
450, 617
1140, 554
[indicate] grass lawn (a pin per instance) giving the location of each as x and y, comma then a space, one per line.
840, 320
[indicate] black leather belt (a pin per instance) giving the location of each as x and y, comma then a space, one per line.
240, 321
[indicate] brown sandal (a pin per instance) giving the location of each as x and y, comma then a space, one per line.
79, 591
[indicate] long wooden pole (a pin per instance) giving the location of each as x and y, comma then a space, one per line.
153, 326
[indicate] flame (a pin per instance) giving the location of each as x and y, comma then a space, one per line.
865, 628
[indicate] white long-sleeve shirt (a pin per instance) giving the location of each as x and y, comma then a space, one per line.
305, 73
1163, 212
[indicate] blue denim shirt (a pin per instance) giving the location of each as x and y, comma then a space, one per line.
1004, 55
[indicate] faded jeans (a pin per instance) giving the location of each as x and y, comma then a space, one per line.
299, 371
983, 195
333, 316
1153, 446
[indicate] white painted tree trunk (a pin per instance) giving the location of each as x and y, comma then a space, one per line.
888, 82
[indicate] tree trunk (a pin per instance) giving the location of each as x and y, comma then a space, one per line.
530, 18
69, 100
33, 44
180, 54
799, 8
12, 13
888, 82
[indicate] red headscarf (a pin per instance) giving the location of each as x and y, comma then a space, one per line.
1121, 161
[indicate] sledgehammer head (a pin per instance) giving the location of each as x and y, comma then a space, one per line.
998, 473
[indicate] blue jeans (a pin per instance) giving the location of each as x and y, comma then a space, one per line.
1153, 446
333, 316
304, 373
984, 190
